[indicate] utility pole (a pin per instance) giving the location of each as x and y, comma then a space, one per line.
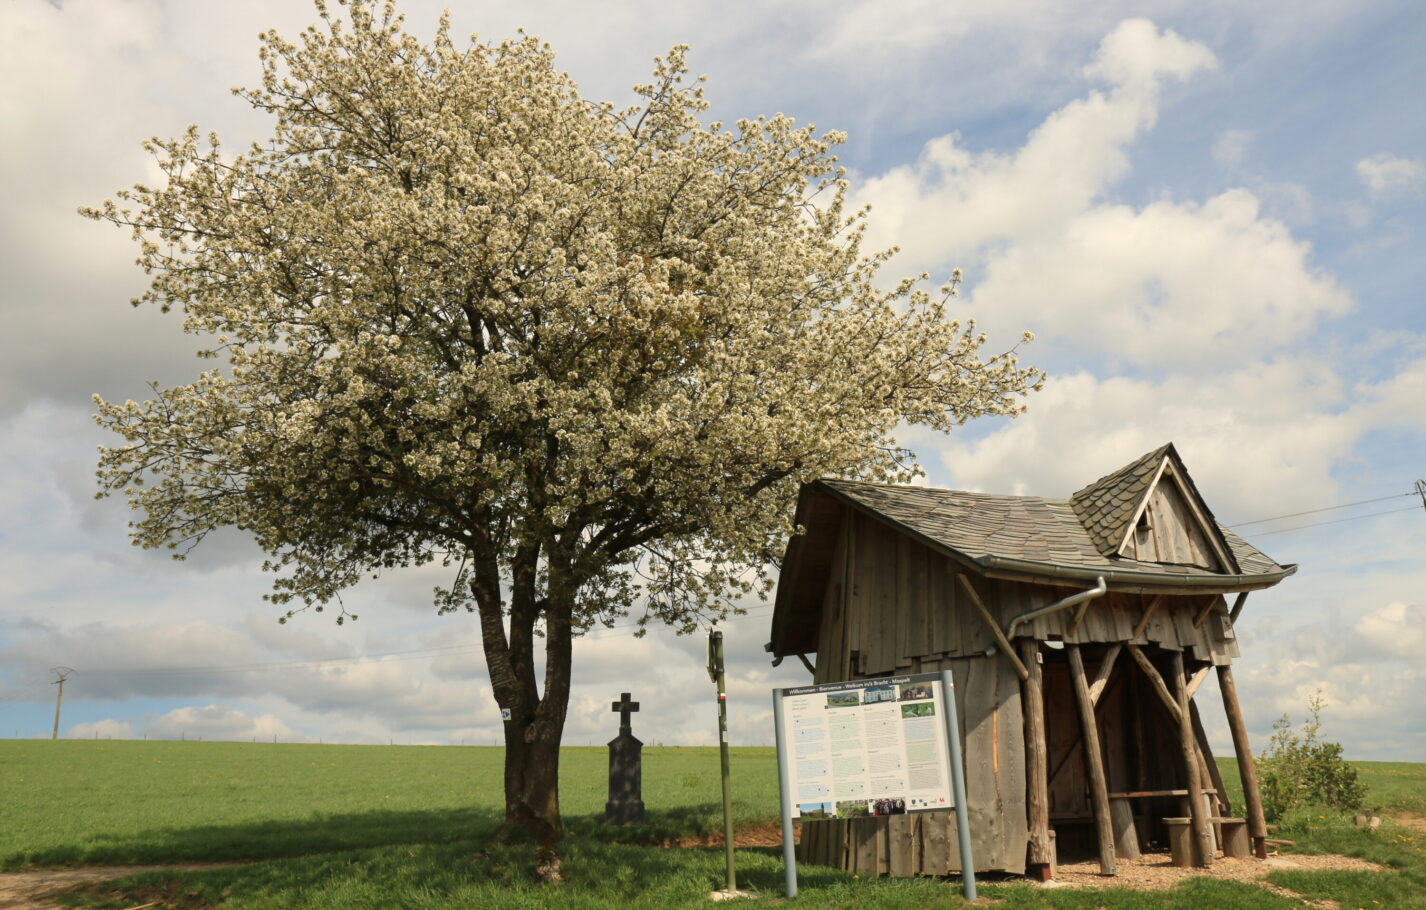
63, 674
715, 673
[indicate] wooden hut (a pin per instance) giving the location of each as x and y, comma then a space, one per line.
1078, 631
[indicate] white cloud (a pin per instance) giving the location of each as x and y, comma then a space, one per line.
1386, 173
107, 728
1397, 629
953, 203
214, 722
1191, 286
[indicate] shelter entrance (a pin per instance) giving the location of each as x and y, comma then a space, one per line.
1145, 773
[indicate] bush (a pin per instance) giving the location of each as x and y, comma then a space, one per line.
1298, 769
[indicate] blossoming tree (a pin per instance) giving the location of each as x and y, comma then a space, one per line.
581, 355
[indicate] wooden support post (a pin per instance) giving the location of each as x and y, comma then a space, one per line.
1197, 680
1101, 677
1006, 648
1126, 836
1159, 687
1252, 798
1078, 618
1148, 615
1214, 775
1094, 762
1037, 760
1207, 608
1197, 811
1237, 606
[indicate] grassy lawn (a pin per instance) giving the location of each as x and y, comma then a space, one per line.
409, 826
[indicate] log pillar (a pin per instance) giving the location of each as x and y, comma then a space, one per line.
1037, 763
1094, 762
1252, 798
1198, 812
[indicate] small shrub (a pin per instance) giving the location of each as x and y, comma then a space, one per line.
1298, 769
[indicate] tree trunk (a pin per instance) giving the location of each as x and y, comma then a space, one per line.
532, 803
536, 722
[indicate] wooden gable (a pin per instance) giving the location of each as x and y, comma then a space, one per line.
1172, 525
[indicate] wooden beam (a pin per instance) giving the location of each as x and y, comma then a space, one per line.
1148, 615
1207, 608
1094, 762
1078, 618
1005, 647
1220, 793
1237, 606
1197, 680
1198, 813
1247, 768
1037, 756
1101, 677
1160, 688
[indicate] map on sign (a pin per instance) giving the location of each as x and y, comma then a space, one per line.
866, 747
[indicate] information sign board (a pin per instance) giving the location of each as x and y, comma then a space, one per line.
870, 747
867, 747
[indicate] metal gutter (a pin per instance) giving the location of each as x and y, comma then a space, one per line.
1099, 589
1129, 576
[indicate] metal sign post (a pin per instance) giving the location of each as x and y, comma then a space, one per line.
784, 788
958, 786
715, 672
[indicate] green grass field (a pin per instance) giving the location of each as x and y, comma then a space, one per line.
410, 826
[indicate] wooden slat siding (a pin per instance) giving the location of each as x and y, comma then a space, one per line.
880, 631
905, 601
916, 844
901, 853
1148, 606
1181, 611
937, 828
1162, 630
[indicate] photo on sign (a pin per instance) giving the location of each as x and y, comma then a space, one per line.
852, 808
877, 694
891, 806
918, 692
923, 709
816, 810
844, 699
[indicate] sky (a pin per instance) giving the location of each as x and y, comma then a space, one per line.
1209, 213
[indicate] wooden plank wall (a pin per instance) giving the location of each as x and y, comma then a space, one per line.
894, 605
1171, 532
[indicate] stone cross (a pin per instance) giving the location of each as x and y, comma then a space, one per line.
626, 803
625, 708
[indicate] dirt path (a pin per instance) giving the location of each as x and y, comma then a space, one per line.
27, 890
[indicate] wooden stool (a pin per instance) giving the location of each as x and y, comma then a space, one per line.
1180, 841
1235, 839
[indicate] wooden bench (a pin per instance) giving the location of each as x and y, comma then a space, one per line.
1233, 837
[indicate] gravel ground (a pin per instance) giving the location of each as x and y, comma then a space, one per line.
1154, 872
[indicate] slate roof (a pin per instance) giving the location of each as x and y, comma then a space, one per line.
1080, 534
1106, 506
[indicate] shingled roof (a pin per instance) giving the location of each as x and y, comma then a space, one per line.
1077, 537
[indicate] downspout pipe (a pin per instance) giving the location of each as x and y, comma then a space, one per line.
1098, 590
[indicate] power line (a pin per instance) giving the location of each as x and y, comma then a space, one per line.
1318, 524
1345, 505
